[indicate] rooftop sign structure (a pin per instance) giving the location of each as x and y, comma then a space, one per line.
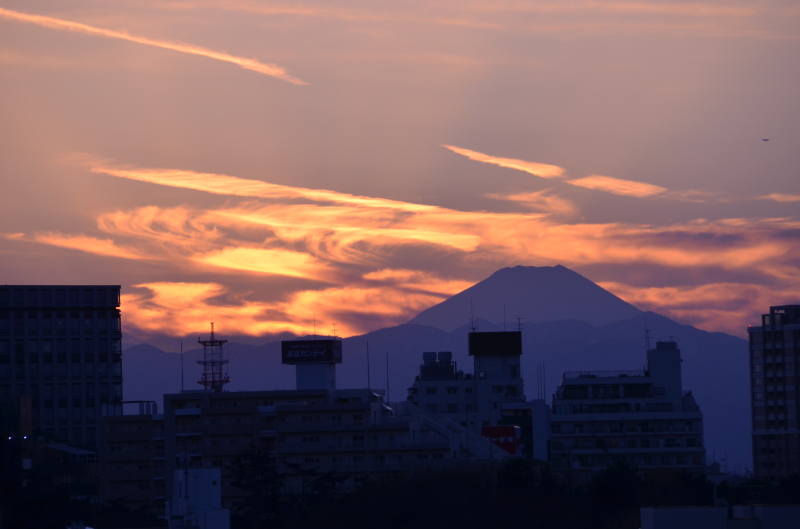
311, 352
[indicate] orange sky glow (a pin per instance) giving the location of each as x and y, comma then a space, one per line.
366, 161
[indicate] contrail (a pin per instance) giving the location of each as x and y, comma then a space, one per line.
248, 64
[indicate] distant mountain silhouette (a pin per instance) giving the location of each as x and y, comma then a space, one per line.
587, 328
535, 294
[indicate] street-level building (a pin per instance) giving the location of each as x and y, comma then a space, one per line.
642, 418
60, 358
774, 379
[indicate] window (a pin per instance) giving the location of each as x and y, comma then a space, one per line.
430, 391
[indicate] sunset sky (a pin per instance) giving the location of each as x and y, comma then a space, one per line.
288, 166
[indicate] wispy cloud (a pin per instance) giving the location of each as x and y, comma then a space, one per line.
536, 169
781, 197
577, 17
544, 201
272, 70
233, 186
344, 252
606, 184
618, 186
93, 245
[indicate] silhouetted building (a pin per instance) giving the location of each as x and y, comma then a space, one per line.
493, 396
643, 418
60, 358
774, 361
308, 432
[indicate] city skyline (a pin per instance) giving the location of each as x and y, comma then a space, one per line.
276, 168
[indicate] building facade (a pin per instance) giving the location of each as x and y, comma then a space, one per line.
774, 362
60, 358
642, 418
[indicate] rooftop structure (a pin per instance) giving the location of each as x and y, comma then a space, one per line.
213, 362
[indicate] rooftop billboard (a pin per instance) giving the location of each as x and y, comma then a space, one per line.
495, 343
311, 352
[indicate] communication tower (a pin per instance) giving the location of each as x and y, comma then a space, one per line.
213, 363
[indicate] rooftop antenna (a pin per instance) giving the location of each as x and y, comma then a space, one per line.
387, 377
646, 337
540, 380
368, 381
519, 323
473, 325
181, 366
334, 331
213, 363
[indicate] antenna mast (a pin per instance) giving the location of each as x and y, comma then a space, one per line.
213, 363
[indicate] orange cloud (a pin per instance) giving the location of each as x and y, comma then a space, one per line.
618, 186
248, 64
387, 296
536, 169
544, 201
354, 245
268, 261
234, 186
722, 307
179, 309
104, 247
782, 197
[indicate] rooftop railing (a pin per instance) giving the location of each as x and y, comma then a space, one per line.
603, 374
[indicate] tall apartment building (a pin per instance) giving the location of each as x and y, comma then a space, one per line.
774, 362
60, 358
643, 418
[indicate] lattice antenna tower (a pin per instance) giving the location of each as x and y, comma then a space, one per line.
213, 362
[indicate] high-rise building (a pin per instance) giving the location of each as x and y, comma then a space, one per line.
60, 358
774, 361
642, 418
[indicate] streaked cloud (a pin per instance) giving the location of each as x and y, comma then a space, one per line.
580, 17
93, 245
545, 201
536, 169
234, 186
267, 261
719, 306
271, 70
781, 197
352, 245
618, 186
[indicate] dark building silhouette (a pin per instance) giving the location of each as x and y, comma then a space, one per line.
642, 418
774, 357
307, 432
60, 359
